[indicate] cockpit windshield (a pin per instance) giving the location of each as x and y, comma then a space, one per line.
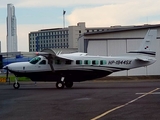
35, 60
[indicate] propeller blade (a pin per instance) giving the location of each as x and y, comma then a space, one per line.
7, 73
51, 65
50, 62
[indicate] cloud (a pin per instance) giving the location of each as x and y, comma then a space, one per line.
3, 37
132, 12
57, 3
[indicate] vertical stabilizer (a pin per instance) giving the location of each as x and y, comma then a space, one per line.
148, 44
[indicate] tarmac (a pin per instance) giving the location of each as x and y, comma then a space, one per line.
93, 100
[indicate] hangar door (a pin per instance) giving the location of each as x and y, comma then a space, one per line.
97, 47
116, 48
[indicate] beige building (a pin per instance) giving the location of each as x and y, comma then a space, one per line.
59, 38
55, 38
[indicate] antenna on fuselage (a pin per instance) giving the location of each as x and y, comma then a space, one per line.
59, 52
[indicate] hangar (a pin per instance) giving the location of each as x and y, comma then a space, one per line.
118, 40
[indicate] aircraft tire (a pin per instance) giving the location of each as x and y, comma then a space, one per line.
69, 84
60, 85
16, 85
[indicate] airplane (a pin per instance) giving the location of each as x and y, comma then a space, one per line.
64, 69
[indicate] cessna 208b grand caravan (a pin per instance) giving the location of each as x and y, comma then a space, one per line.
75, 67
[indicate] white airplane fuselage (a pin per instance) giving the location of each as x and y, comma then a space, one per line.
80, 67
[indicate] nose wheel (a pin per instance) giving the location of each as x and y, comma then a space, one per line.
16, 85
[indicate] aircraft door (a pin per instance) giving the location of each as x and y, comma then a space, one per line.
43, 65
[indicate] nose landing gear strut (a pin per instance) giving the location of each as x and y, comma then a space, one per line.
16, 85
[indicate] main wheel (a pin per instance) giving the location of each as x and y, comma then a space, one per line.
16, 85
60, 85
68, 84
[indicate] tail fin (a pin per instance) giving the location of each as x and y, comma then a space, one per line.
148, 43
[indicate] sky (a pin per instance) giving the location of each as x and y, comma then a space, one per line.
33, 15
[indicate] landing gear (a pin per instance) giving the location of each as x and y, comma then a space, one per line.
60, 84
68, 84
63, 82
16, 85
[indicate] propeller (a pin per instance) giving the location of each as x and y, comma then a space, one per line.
50, 61
49, 54
7, 72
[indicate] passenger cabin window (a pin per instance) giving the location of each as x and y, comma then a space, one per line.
103, 62
78, 62
68, 62
87, 62
57, 62
95, 62
35, 60
43, 62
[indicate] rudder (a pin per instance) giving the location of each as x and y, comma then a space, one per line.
148, 41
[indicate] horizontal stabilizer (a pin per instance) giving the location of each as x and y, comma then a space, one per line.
145, 59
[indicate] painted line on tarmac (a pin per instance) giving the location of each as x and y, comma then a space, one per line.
155, 93
121, 106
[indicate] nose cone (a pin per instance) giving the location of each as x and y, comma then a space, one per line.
5, 67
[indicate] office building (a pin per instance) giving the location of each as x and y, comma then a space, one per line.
11, 29
58, 38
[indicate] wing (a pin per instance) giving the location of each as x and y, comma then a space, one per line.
52, 54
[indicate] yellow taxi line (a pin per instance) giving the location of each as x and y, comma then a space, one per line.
118, 107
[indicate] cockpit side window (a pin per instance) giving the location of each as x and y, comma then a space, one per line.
43, 62
35, 60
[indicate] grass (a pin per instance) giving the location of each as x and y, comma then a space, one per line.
12, 78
